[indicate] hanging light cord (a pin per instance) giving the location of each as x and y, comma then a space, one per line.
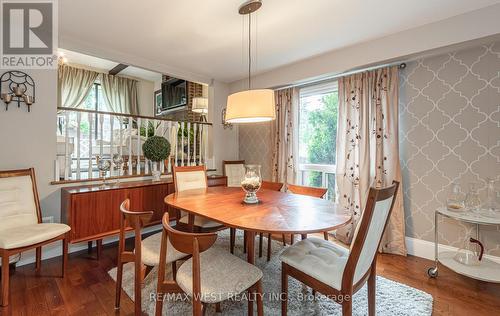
249, 50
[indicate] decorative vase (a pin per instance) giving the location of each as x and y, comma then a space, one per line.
251, 183
155, 170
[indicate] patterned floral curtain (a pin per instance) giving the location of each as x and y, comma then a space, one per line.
282, 131
368, 149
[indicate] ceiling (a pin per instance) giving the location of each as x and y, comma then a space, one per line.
106, 65
205, 37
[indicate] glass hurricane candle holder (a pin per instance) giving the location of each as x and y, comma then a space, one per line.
251, 183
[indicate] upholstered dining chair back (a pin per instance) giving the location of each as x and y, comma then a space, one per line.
19, 205
234, 170
189, 178
368, 233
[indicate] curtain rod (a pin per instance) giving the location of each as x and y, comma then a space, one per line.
401, 65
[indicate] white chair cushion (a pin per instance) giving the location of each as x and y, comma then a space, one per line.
223, 275
200, 222
28, 235
318, 258
151, 251
17, 202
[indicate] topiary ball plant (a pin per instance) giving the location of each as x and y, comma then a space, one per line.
156, 148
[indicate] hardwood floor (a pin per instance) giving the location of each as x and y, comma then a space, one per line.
88, 290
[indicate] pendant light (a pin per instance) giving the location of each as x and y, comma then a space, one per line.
250, 106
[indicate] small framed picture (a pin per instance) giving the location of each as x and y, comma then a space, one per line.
158, 101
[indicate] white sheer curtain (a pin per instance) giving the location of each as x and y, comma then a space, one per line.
368, 149
120, 94
74, 85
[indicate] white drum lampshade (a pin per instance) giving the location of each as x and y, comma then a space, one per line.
251, 106
200, 105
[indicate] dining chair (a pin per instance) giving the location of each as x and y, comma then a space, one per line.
210, 276
189, 178
145, 255
309, 191
21, 226
234, 170
273, 186
338, 272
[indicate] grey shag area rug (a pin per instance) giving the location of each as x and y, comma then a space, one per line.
392, 298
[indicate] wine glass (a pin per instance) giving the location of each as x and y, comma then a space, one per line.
118, 162
103, 165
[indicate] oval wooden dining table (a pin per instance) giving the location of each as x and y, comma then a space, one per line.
276, 212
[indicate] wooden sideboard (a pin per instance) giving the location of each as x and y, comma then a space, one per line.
92, 211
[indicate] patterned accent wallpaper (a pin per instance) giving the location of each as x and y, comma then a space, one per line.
255, 146
449, 131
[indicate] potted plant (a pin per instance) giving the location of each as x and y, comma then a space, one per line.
156, 149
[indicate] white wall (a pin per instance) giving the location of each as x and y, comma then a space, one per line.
466, 27
224, 141
29, 139
145, 95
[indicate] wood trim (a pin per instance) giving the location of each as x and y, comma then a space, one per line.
60, 108
116, 69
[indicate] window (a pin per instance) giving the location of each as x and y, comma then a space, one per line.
318, 112
95, 100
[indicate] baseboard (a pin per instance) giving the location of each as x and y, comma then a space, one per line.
416, 247
425, 249
55, 249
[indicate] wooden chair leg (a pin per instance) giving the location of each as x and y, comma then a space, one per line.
325, 235
65, 256
250, 301
197, 308
119, 277
5, 280
284, 289
38, 260
245, 241
138, 286
232, 238
372, 281
174, 270
260, 244
292, 239
159, 305
347, 308
283, 238
218, 308
89, 247
260, 304
269, 247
